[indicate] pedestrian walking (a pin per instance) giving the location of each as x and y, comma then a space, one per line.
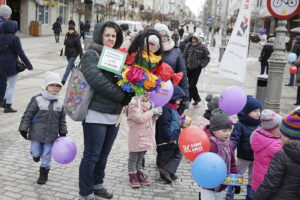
43, 121
282, 180
141, 118
99, 127
167, 133
81, 28
72, 50
181, 32
296, 50
240, 136
219, 132
265, 54
71, 22
56, 27
176, 37
10, 52
196, 57
265, 142
87, 27
173, 57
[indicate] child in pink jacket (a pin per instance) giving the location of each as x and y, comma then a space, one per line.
265, 142
141, 118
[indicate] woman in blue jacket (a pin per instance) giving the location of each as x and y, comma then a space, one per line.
10, 50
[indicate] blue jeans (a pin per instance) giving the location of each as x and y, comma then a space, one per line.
292, 79
70, 66
98, 141
3, 86
42, 150
11, 85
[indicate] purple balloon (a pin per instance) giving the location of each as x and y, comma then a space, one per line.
163, 96
64, 150
232, 100
262, 31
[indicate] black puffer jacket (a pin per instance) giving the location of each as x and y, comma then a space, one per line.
73, 45
282, 181
108, 95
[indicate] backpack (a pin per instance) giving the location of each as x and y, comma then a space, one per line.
78, 95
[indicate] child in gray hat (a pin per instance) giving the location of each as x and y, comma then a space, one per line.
219, 132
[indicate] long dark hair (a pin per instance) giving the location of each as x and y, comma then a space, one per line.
119, 39
138, 45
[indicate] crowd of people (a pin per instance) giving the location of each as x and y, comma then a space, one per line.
267, 145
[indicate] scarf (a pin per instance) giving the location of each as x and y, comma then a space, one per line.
169, 45
48, 95
223, 151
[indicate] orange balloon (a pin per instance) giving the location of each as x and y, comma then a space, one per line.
293, 69
192, 142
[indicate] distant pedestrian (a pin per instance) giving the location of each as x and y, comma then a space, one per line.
181, 32
56, 27
176, 37
72, 50
141, 118
87, 27
10, 51
296, 50
265, 54
71, 22
81, 29
44, 120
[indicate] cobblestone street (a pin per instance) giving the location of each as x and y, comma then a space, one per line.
18, 173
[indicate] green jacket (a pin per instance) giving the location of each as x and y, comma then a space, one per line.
108, 95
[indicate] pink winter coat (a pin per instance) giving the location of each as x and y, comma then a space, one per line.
141, 122
264, 146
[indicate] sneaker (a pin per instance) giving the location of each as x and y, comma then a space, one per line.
165, 176
103, 193
142, 178
133, 180
36, 159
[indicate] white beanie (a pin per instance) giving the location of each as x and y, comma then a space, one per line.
51, 78
153, 42
162, 27
270, 120
5, 11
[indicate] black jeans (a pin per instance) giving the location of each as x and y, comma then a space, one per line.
169, 160
3, 86
193, 76
263, 66
56, 35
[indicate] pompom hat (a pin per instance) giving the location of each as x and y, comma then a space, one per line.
270, 120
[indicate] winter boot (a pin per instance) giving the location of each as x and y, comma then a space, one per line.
36, 159
43, 176
165, 176
250, 193
133, 180
142, 178
9, 109
102, 192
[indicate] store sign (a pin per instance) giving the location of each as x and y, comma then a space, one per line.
283, 9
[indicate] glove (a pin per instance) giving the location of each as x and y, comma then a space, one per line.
62, 135
186, 104
127, 98
157, 111
237, 189
24, 134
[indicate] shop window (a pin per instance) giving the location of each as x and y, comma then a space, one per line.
43, 14
63, 11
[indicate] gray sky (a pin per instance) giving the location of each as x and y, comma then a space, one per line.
194, 5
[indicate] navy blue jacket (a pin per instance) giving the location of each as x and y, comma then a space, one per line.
10, 49
56, 27
175, 60
240, 136
168, 124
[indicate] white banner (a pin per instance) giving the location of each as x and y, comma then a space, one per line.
233, 63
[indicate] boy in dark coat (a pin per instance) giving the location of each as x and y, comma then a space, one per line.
56, 27
282, 180
240, 136
43, 121
167, 133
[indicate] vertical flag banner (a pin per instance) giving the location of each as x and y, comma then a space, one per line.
233, 63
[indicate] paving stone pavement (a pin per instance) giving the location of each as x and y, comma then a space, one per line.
18, 173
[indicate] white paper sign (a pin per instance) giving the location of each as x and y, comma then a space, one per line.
233, 63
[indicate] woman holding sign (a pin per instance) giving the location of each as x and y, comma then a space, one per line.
99, 128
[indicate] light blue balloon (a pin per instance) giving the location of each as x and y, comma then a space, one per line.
209, 170
292, 57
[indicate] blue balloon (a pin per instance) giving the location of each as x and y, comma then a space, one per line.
209, 170
292, 57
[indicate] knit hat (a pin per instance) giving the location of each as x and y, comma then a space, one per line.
162, 27
51, 78
153, 42
212, 102
124, 27
290, 125
270, 120
5, 11
251, 105
219, 120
